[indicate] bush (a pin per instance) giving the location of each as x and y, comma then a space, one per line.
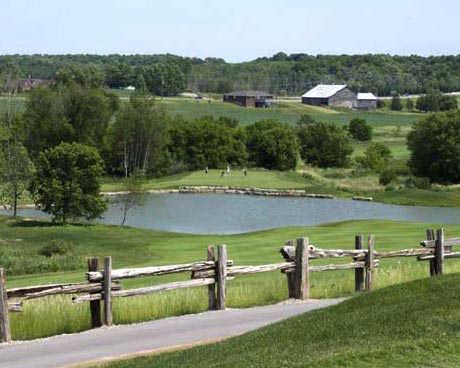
381, 104
418, 182
387, 176
434, 143
56, 247
324, 145
435, 101
409, 104
360, 130
376, 157
396, 103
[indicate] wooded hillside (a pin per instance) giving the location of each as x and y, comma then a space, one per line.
280, 74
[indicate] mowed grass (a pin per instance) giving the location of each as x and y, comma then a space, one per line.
409, 325
138, 247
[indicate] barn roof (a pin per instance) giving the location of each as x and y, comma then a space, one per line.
324, 90
250, 94
366, 96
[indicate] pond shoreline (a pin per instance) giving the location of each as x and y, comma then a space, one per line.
240, 190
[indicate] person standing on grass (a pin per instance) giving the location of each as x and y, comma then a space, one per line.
206, 170
245, 172
229, 170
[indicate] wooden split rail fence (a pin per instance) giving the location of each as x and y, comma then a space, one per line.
103, 284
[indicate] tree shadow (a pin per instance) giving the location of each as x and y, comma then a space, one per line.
26, 223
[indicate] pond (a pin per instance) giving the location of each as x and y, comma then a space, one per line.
230, 214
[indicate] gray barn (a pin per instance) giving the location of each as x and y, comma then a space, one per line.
366, 101
249, 98
330, 95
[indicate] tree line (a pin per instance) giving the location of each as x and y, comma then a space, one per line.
280, 74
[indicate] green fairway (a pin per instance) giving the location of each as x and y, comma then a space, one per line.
138, 247
409, 325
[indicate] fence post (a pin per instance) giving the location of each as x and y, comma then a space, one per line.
302, 281
5, 333
359, 272
221, 274
94, 305
430, 236
211, 288
107, 289
369, 262
439, 252
290, 276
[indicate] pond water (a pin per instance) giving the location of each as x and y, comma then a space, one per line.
230, 214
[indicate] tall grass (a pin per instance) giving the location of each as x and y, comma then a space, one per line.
57, 315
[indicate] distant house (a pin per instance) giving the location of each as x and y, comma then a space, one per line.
249, 98
330, 95
366, 101
30, 83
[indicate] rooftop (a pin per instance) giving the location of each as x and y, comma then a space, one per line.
366, 96
324, 90
249, 94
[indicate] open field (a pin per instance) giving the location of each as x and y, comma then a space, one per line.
409, 325
137, 247
288, 112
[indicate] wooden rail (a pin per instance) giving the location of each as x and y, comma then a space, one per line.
214, 273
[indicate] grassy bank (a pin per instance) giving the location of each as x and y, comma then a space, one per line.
342, 183
137, 247
409, 325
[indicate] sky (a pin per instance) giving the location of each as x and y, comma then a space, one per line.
236, 30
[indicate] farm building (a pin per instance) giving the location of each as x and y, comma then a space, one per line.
330, 95
249, 98
31, 83
366, 101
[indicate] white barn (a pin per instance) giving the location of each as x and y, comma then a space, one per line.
330, 95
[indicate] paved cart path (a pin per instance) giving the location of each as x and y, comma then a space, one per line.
156, 336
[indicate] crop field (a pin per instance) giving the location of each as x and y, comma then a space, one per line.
288, 112
137, 247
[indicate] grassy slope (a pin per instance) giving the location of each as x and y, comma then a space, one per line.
414, 324
319, 181
136, 247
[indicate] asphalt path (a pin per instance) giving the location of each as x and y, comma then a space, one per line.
150, 337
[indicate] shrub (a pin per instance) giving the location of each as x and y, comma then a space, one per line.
435, 101
396, 103
56, 247
376, 157
387, 176
381, 104
360, 130
434, 143
418, 182
324, 145
409, 104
